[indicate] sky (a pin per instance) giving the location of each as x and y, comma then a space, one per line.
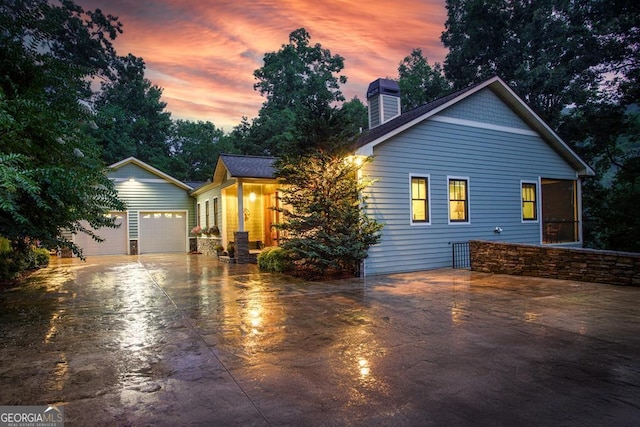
203, 53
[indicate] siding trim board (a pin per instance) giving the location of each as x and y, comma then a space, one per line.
480, 125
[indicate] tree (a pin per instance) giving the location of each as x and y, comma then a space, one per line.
51, 175
130, 116
195, 147
301, 89
419, 82
325, 225
504, 37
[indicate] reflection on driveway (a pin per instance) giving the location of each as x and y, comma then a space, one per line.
182, 339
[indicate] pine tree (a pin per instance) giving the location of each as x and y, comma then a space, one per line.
325, 226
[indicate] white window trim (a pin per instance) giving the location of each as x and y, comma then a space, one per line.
198, 218
411, 221
530, 221
460, 178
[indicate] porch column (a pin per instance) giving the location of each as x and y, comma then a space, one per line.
240, 207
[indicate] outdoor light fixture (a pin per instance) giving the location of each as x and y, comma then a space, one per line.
252, 197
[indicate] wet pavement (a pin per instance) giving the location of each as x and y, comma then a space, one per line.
185, 340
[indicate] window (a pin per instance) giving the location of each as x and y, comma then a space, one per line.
206, 214
458, 200
198, 214
529, 201
420, 199
215, 211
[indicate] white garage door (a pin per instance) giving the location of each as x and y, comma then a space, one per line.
163, 232
115, 239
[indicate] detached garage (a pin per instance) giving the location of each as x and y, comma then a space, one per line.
160, 213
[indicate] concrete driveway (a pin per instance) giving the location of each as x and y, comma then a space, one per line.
185, 340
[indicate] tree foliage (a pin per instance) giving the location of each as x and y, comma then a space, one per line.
325, 226
419, 82
195, 147
130, 116
51, 174
301, 84
542, 48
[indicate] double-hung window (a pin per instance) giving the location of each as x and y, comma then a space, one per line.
458, 200
420, 200
206, 213
529, 201
215, 211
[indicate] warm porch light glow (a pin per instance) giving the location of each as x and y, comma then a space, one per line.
356, 160
252, 197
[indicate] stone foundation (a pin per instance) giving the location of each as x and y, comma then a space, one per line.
586, 265
206, 245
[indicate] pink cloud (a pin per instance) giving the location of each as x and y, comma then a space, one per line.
203, 53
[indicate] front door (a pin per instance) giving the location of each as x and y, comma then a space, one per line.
271, 217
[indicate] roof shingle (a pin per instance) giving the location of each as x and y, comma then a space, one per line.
241, 166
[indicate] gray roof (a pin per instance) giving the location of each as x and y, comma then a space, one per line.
240, 166
408, 116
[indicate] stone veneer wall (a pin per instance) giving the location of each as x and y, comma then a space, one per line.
587, 265
206, 244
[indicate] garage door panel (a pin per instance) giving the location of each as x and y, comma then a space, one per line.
115, 239
163, 232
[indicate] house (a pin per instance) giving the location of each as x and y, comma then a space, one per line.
160, 212
476, 164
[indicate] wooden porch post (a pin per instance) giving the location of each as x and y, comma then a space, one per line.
240, 207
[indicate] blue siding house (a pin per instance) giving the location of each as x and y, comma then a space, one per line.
160, 213
477, 164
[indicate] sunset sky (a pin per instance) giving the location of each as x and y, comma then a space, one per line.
203, 53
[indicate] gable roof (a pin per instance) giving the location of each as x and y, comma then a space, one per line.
151, 169
375, 136
241, 166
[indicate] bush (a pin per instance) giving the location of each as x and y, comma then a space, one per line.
41, 257
274, 259
14, 262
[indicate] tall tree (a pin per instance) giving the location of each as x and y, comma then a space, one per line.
419, 82
131, 118
51, 174
301, 84
195, 147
